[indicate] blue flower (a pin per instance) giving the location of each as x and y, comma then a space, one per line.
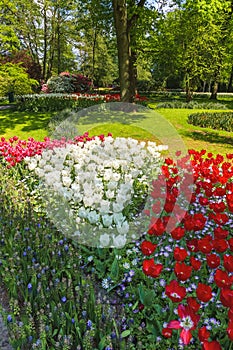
84, 313
89, 324
63, 299
29, 286
66, 248
9, 318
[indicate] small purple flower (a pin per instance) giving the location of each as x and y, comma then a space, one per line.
9, 318
89, 324
29, 287
30, 338
63, 299
66, 248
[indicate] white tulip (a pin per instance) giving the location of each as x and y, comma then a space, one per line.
107, 220
104, 240
123, 228
119, 241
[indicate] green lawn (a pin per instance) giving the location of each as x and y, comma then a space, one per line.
23, 124
163, 125
198, 138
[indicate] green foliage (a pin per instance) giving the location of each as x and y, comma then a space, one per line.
68, 83
8, 39
191, 105
53, 102
219, 121
54, 298
60, 84
13, 78
24, 58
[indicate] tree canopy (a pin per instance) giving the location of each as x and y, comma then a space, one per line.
163, 43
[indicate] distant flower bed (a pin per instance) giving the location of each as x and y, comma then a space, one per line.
170, 288
59, 101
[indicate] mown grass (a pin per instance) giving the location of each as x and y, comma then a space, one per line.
31, 124
23, 124
194, 137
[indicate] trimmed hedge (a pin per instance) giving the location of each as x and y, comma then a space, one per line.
54, 102
191, 105
219, 121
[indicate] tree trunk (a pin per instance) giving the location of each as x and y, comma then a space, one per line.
94, 53
188, 91
229, 86
45, 34
123, 47
133, 69
58, 42
214, 91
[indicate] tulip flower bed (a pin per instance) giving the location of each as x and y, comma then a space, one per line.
58, 101
172, 288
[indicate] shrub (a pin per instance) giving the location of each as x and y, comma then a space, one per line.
55, 102
60, 84
67, 83
81, 83
14, 79
219, 121
191, 105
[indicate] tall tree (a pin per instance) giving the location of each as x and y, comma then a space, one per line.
126, 15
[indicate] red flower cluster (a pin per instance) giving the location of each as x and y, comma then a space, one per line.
15, 150
202, 242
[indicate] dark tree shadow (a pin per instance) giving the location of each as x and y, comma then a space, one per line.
209, 136
9, 119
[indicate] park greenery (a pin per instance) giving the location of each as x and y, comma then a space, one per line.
140, 45
109, 239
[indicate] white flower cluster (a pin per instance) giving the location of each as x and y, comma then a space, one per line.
97, 179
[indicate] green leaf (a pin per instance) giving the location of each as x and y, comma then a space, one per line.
102, 344
146, 296
125, 334
114, 272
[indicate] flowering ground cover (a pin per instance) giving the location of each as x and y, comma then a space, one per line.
169, 288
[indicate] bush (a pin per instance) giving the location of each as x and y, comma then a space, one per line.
14, 79
191, 105
60, 84
145, 85
54, 102
67, 83
219, 121
81, 83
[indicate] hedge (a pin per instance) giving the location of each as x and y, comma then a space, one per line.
218, 120
55, 102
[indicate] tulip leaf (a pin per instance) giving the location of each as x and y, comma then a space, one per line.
146, 296
114, 269
125, 334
